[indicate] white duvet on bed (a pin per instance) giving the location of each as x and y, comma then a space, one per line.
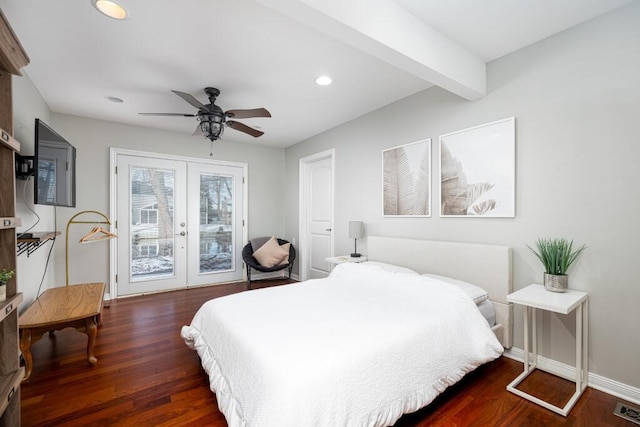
359, 348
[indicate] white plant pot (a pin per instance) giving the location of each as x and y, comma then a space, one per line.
3, 292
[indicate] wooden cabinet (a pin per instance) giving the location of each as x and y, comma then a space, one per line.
12, 58
10, 372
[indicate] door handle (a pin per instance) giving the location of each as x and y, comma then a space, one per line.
327, 229
182, 233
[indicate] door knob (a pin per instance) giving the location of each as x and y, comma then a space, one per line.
182, 233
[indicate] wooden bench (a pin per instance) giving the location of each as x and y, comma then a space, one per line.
75, 306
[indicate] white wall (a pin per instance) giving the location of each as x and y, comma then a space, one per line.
27, 106
576, 99
92, 139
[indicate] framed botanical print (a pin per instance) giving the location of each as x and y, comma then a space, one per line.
477, 171
406, 180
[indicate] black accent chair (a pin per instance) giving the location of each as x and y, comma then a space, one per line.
252, 263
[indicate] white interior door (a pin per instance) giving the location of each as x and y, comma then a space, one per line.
318, 201
151, 224
179, 222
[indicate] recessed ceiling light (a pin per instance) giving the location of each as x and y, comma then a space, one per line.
323, 80
110, 9
115, 99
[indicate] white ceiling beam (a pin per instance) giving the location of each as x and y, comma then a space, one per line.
385, 30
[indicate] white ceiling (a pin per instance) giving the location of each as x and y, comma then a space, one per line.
267, 53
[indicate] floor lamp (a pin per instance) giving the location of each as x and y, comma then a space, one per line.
96, 234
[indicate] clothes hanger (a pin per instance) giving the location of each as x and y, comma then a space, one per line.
97, 234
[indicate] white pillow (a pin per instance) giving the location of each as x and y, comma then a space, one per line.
476, 293
390, 267
271, 253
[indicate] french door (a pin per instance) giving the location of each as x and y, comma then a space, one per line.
179, 222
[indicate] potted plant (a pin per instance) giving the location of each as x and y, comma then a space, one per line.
556, 256
5, 276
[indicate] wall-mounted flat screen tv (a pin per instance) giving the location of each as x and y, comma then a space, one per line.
54, 168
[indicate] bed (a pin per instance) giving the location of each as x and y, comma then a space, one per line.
360, 348
488, 266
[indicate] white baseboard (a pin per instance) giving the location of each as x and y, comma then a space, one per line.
605, 385
256, 276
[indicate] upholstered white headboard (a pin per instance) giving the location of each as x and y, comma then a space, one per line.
488, 266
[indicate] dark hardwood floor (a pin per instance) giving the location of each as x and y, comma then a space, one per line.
146, 376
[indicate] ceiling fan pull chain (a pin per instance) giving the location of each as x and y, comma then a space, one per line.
211, 153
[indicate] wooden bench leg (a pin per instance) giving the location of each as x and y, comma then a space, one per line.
25, 348
91, 329
28, 337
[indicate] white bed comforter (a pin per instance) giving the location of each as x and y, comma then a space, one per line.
359, 348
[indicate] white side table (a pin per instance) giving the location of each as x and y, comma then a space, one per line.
537, 297
345, 258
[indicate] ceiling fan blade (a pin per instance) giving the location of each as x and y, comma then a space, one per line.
246, 114
168, 114
244, 128
198, 131
191, 100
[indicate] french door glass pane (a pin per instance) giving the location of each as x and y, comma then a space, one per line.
216, 223
152, 226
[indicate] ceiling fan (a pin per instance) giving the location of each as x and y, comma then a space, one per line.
213, 119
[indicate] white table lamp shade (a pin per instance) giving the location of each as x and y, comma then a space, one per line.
356, 229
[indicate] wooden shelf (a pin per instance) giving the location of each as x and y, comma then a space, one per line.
12, 54
9, 387
12, 59
7, 140
31, 244
10, 222
9, 305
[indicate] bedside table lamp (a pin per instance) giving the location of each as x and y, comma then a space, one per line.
356, 231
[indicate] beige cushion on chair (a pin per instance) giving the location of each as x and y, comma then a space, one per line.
271, 253
285, 259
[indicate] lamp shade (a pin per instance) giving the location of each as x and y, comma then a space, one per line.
356, 229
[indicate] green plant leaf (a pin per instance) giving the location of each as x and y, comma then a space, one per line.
556, 255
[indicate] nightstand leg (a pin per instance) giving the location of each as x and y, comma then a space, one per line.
585, 354
527, 313
579, 348
534, 335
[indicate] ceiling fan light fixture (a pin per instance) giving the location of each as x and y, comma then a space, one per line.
323, 81
212, 127
111, 9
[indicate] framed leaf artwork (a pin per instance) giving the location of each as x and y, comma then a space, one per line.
406, 180
477, 171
